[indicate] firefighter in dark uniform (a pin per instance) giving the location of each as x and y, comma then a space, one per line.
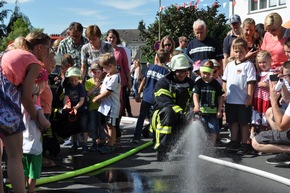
173, 96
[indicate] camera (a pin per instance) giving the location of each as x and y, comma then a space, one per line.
274, 77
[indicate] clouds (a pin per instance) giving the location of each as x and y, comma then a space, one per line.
123, 4
20, 1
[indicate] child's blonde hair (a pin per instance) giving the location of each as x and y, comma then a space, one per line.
107, 59
239, 43
263, 54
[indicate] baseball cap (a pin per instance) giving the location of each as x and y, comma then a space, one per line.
235, 19
215, 62
206, 66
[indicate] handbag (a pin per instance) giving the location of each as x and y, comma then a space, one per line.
10, 111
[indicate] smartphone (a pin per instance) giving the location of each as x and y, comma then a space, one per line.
274, 77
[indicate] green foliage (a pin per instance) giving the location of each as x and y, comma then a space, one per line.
179, 23
19, 28
3, 15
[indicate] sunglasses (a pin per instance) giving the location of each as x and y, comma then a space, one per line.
167, 45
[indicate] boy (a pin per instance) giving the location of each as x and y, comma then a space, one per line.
109, 98
153, 74
75, 100
32, 144
208, 99
239, 78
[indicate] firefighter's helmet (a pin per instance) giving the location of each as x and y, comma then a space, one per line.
179, 62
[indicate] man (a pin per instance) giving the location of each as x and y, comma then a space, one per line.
172, 95
73, 43
275, 141
235, 23
203, 47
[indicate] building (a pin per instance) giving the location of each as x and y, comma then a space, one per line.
132, 40
259, 9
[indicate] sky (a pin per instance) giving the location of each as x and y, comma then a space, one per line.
55, 15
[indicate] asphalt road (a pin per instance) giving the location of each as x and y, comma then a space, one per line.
184, 172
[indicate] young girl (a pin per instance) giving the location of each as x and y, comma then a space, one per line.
261, 101
93, 86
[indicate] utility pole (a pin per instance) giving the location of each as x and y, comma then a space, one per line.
159, 27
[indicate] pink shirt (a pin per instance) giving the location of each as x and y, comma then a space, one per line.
46, 100
276, 49
122, 60
15, 63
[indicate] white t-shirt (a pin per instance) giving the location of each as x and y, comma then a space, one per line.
237, 78
110, 106
32, 142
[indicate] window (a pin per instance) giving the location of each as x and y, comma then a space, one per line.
256, 5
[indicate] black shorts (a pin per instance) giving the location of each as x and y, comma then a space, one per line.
238, 114
274, 137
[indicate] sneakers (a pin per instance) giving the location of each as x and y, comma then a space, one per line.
281, 158
107, 150
244, 149
94, 147
73, 148
233, 146
67, 143
85, 149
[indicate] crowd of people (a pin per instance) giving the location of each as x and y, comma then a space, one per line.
90, 80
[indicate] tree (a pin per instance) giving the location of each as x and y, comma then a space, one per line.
3, 15
19, 28
19, 25
178, 21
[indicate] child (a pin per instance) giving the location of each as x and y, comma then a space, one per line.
93, 86
32, 144
153, 74
208, 99
239, 78
109, 98
216, 71
261, 100
75, 100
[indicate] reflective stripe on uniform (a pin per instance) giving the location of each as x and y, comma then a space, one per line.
176, 109
161, 92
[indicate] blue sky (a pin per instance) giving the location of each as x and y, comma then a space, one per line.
55, 15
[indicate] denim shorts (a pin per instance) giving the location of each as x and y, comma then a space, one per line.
210, 122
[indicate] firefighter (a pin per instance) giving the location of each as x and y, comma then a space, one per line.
173, 96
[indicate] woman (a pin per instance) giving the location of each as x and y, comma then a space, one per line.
123, 65
248, 34
167, 43
19, 69
274, 39
136, 70
91, 51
